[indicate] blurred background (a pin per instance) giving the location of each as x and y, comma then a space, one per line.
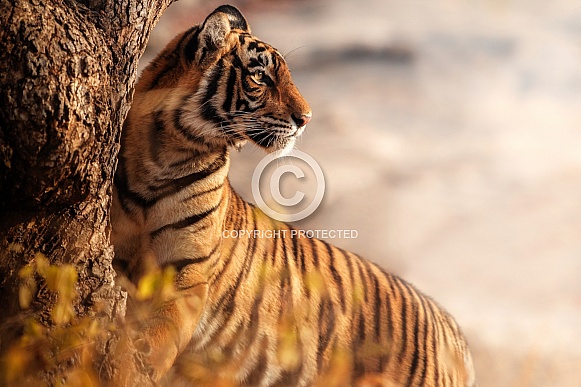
449, 134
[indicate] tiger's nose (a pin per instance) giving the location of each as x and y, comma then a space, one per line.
302, 120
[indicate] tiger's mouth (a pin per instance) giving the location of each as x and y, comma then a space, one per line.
276, 139
274, 134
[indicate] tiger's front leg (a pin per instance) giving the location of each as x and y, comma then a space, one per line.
150, 347
172, 326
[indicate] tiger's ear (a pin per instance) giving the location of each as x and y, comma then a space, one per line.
235, 18
215, 30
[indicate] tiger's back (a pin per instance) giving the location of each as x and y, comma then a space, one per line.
280, 309
343, 320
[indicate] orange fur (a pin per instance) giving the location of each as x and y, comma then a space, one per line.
255, 311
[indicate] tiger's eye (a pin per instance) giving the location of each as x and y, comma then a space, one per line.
258, 76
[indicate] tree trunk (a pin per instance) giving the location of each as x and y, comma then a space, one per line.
67, 71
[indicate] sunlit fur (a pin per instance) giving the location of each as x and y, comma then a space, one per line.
261, 311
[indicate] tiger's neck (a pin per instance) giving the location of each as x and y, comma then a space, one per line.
171, 191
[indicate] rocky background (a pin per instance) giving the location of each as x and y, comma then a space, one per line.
449, 134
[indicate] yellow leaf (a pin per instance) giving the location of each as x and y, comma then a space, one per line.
62, 279
66, 285
26, 292
26, 272
62, 313
33, 329
358, 295
167, 282
315, 282
148, 285
94, 329
41, 263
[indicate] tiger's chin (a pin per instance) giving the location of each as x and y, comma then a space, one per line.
283, 148
279, 146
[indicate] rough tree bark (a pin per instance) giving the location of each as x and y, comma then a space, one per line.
67, 71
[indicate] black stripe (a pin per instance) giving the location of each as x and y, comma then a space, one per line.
361, 327
256, 375
122, 266
416, 351
348, 259
191, 47
183, 130
174, 186
314, 252
228, 350
190, 155
209, 112
275, 243
236, 61
291, 377
336, 277
180, 264
276, 63
236, 19
226, 307
189, 221
257, 46
226, 304
226, 262
390, 320
227, 105
251, 250
362, 343
184, 288
285, 294
408, 320
377, 308
227, 258
252, 109
249, 88
169, 188
254, 62
198, 194
242, 105
298, 255
154, 136
171, 61
326, 325
204, 53
285, 282
246, 331
244, 270
403, 320
125, 194
427, 321
389, 312
254, 317
364, 279
182, 182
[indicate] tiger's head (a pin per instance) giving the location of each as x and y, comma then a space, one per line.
240, 88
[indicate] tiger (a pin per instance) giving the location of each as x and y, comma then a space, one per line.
272, 311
